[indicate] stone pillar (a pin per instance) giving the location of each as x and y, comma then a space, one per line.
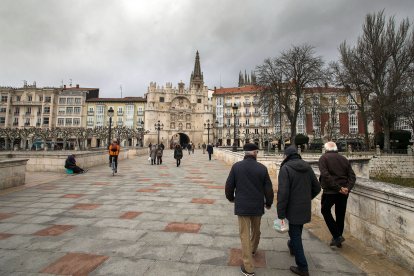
377, 150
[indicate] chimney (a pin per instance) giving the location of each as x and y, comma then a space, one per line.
77, 86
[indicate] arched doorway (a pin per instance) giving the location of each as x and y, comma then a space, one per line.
179, 138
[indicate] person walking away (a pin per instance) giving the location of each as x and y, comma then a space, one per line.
250, 188
153, 154
192, 147
204, 146
149, 148
298, 185
162, 146
159, 155
114, 149
210, 151
189, 147
337, 180
70, 163
178, 154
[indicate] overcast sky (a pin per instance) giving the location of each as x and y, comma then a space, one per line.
106, 44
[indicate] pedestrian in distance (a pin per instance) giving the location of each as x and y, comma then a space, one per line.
162, 146
189, 148
192, 148
204, 146
210, 151
298, 185
250, 188
153, 154
178, 154
159, 155
337, 180
149, 148
70, 164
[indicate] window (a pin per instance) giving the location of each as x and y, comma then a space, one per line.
62, 100
120, 110
76, 121
198, 100
90, 121
76, 110
68, 121
161, 99
48, 99
60, 121
61, 111
90, 109
353, 122
247, 122
69, 101
2, 120
100, 109
69, 110
2, 109
29, 98
29, 110
45, 120
40, 98
17, 111
4, 98
78, 100
18, 98
46, 110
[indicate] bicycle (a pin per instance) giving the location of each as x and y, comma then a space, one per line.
113, 166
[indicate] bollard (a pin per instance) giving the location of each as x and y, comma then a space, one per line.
378, 150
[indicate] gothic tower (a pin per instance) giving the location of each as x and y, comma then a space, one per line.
197, 76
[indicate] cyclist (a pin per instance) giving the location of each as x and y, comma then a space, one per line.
113, 153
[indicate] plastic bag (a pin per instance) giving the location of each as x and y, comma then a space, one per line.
149, 159
281, 225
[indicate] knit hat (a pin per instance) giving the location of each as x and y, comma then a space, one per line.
290, 150
250, 147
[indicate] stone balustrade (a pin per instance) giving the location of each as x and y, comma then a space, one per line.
379, 214
12, 172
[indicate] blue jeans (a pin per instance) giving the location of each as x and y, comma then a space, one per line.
295, 234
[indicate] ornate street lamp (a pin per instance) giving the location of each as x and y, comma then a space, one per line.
234, 107
158, 127
110, 114
208, 126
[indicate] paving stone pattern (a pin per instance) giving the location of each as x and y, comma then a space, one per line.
146, 220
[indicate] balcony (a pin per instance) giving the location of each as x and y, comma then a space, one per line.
26, 124
247, 114
37, 124
31, 103
140, 113
91, 113
228, 115
119, 123
89, 123
15, 123
16, 113
228, 104
120, 113
256, 114
256, 103
247, 103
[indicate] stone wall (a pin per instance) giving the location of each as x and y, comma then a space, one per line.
392, 165
379, 214
12, 172
54, 161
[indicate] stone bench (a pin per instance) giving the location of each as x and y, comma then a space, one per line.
12, 173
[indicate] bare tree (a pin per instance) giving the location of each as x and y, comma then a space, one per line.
24, 134
283, 79
345, 74
383, 59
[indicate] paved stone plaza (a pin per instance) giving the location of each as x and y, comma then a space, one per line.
147, 220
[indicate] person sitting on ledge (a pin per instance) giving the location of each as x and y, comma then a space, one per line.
70, 164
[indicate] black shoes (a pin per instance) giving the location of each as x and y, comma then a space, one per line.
290, 249
337, 242
244, 272
296, 270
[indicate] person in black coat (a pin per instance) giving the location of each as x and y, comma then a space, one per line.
250, 188
178, 154
70, 163
298, 185
210, 151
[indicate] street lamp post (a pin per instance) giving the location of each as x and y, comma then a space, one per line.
158, 126
217, 124
234, 107
110, 115
208, 126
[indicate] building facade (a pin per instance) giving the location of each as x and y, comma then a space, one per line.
181, 112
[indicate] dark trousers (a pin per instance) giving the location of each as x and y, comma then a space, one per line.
178, 161
115, 160
209, 156
76, 169
339, 200
159, 160
295, 234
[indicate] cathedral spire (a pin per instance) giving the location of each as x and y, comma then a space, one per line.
197, 75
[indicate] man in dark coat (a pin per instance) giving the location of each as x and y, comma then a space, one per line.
337, 180
210, 151
250, 188
297, 187
70, 163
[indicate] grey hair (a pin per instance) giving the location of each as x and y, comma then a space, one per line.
330, 146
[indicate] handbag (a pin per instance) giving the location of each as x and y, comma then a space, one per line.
149, 159
281, 225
